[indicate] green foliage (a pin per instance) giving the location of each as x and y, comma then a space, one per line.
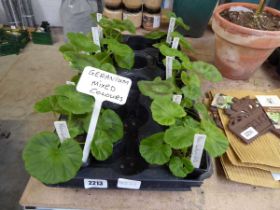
81, 42
165, 112
157, 88
186, 79
154, 150
50, 161
180, 166
72, 101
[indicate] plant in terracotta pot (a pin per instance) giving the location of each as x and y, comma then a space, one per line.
246, 34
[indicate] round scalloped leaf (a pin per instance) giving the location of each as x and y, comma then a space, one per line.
82, 42
72, 101
180, 167
49, 104
156, 88
154, 150
208, 71
179, 137
109, 122
75, 127
50, 161
101, 146
165, 111
216, 142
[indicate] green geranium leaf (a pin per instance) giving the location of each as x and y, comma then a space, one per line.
101, 146
157, 88
176, 65
180, 167
190, 79
82, 42
154, 150
109, 123
108, 67
155, 35
202, 111
168, 51
190, 122
216, 142
49, 104
179, 137
103, 57
76, 78
123, 54
183, 42
75, 127
50, 161
191, 92
67, 47
72, 101
80, 61
208, 71
180, 22
165, 112
129, 26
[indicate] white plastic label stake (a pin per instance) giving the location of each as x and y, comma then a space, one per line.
103, 86
170, 30
156, 22
95, 183
70, 83
249, 133
95, 35
62, 130
175, 43
128, 184
13, 27
276, 176
169, 64
269, 100
98, 18
197, 149
177, 99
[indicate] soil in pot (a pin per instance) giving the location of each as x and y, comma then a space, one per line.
264, 21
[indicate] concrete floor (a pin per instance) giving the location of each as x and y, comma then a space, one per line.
32, 75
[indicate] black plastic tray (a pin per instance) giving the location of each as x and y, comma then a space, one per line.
126, 161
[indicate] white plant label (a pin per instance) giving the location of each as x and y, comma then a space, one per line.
177, 99
175, 43
95, 35
197, 149
70, 83
169, 64
62, 130
170, 30
128, 184
156, 22
13, 27
95, 183
269, 100
103, 86
249, 133
98, 18
276, 176
125, 16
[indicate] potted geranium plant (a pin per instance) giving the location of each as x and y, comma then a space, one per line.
52, 161
246, 34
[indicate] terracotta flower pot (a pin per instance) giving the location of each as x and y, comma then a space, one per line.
240, 50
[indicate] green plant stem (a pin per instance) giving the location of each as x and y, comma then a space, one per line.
260, 7
70, 117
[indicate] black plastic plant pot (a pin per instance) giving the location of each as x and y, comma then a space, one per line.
126, 161
195, 13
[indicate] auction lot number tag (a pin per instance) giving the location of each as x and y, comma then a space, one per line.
95, 183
